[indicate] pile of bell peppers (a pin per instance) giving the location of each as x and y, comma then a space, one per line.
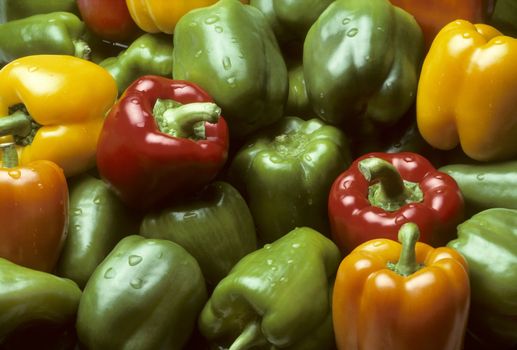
258, 174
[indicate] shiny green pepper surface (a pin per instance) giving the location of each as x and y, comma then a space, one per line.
17, 9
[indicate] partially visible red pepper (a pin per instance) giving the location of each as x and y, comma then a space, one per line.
163, 138
380, 192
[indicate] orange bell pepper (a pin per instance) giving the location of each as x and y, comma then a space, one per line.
401, 297
154, 16
433, 15
467, 92
33, 211
55, 106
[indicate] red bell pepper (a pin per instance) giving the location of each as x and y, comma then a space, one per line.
380, 192
163, 138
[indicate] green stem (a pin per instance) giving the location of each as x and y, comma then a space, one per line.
18, 123
188, 120
407, 264
9, 155
82, 49
250, 337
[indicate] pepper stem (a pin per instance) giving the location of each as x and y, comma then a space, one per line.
17, 123
251, 336
408, 236
185, 120
388, 190
82, 49
9, 155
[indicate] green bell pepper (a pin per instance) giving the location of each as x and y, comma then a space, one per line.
504, 17
17, 9
290, 19
28, 296
276, 297
145, 295
298, 103
285, 173
215, 227
230, 50
148, 54
52, 33
485, 186
97, 221
362, 60
488, 241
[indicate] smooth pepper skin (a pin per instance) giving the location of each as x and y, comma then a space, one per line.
149, 54
51, 33
97, 221
230, 50
486, 186
276, 297
145, 295
361, 60
504, 17
146, 166
361, 207
67, 98
488, 241
215, 226
29, 296
467, 92
285, 173
291, 19
376, 307
17, 9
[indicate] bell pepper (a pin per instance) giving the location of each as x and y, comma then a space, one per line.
433, 15
163, 138
55, 104
145, 295
52, 33
488, 241
467, 92
276, 297
17, 9
155, 16
109, 20
289, 19
34, 209
361, 60
380, 192
230, 50
486, 186
504, 17
403, 296
298, 103
215, 226
285, 173
97, 221
28, 296
149, 54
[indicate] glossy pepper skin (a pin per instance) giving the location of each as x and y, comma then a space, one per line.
488, 241
149, 54
486, 186
66, 99
504, 17
145, 295
276, 297
156, 16
230, 50
28, 295
162, 138
291, 19
401, 296
97, 221
215, 226
51, 33
285, 173
17, 9
475, 107
33, 211
380, 192
361, 60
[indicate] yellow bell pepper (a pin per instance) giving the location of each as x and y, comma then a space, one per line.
53, 108
467, 93
154, 16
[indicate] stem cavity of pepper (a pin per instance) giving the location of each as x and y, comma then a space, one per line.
408, 236
185, 120
20, 125
387, 189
